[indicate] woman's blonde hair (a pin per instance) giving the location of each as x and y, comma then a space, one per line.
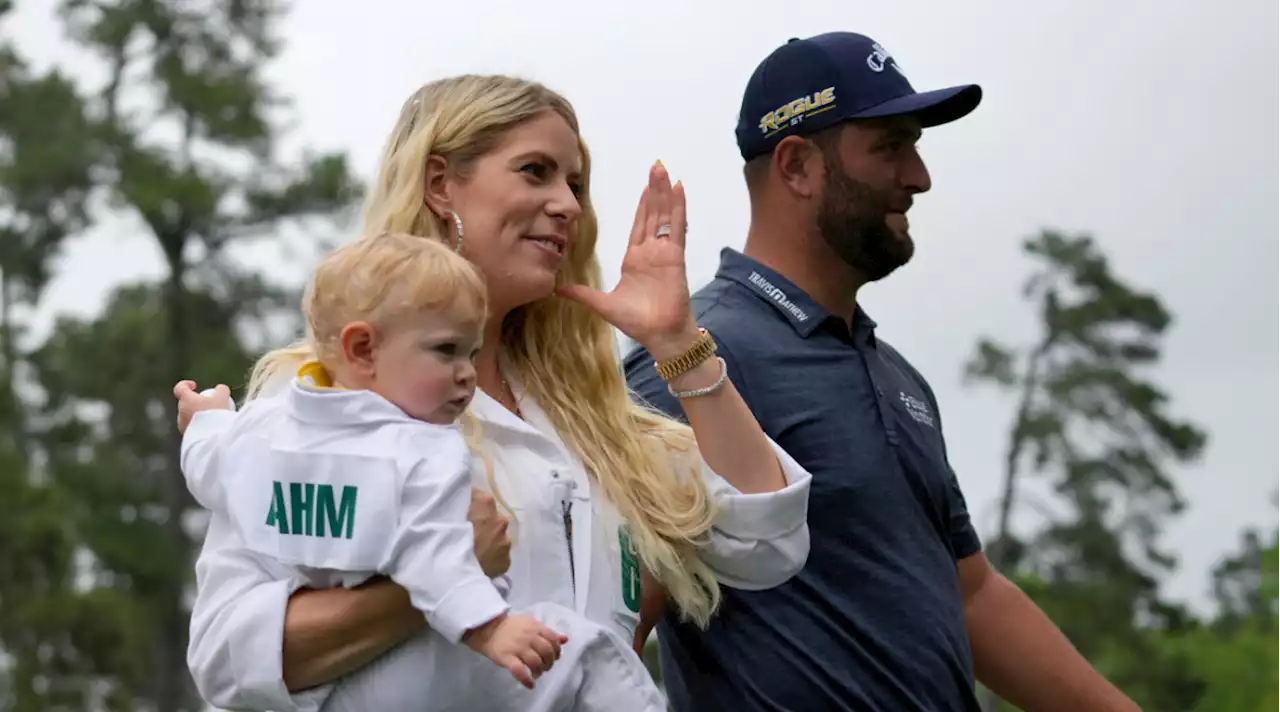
564, 354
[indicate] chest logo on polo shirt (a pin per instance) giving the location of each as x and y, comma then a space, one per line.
917, 409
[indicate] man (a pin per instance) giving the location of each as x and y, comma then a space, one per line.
897, 608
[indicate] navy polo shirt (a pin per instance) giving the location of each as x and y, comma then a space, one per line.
875, 620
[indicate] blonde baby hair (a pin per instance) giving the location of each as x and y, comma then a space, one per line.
385, 280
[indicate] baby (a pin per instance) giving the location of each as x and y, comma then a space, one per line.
357, 467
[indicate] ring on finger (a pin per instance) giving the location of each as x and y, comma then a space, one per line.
664, 230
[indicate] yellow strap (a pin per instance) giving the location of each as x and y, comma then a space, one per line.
315, 374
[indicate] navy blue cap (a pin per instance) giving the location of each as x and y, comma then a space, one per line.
810, 84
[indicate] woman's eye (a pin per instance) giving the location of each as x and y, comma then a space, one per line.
537, 170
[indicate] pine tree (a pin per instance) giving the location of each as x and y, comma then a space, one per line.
1090, 419
46, 158
183, 136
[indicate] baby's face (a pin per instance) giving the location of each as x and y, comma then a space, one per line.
427, 367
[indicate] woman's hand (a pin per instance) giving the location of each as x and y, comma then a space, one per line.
651, 300
493, 546
190, 402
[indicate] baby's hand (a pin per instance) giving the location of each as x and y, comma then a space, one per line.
518, 643
190, 402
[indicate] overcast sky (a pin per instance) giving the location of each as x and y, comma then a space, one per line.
1151, 124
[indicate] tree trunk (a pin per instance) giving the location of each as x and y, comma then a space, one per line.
1001, 551
174, 690
9, 355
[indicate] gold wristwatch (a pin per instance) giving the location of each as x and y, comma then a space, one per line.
701, 350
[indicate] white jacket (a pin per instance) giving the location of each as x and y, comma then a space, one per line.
334, 487
759, 541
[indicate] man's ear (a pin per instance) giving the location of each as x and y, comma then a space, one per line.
358, 342
798, 164
435, 191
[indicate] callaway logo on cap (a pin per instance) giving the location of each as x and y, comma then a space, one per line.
810, 84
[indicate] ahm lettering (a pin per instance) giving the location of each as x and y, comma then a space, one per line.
304, 500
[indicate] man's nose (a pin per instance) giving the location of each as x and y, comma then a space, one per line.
915, 175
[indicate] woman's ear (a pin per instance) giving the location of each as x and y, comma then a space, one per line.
435, 191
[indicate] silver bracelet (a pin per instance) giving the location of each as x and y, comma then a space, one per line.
706, 390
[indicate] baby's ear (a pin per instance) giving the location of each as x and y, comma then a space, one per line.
358, 342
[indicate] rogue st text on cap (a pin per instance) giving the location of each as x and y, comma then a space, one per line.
807, 85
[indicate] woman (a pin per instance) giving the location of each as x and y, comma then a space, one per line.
596, 486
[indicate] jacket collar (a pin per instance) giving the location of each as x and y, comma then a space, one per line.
314, 398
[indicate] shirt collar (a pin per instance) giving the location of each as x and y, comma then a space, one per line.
315, 397
316, 403
492, 413
799, 309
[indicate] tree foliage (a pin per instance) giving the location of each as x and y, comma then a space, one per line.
181, 142
46, 160
1091, 422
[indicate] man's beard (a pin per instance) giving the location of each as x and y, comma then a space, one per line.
851, 219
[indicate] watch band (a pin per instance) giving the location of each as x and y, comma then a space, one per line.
701, 350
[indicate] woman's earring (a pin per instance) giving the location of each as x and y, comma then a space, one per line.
457, 226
